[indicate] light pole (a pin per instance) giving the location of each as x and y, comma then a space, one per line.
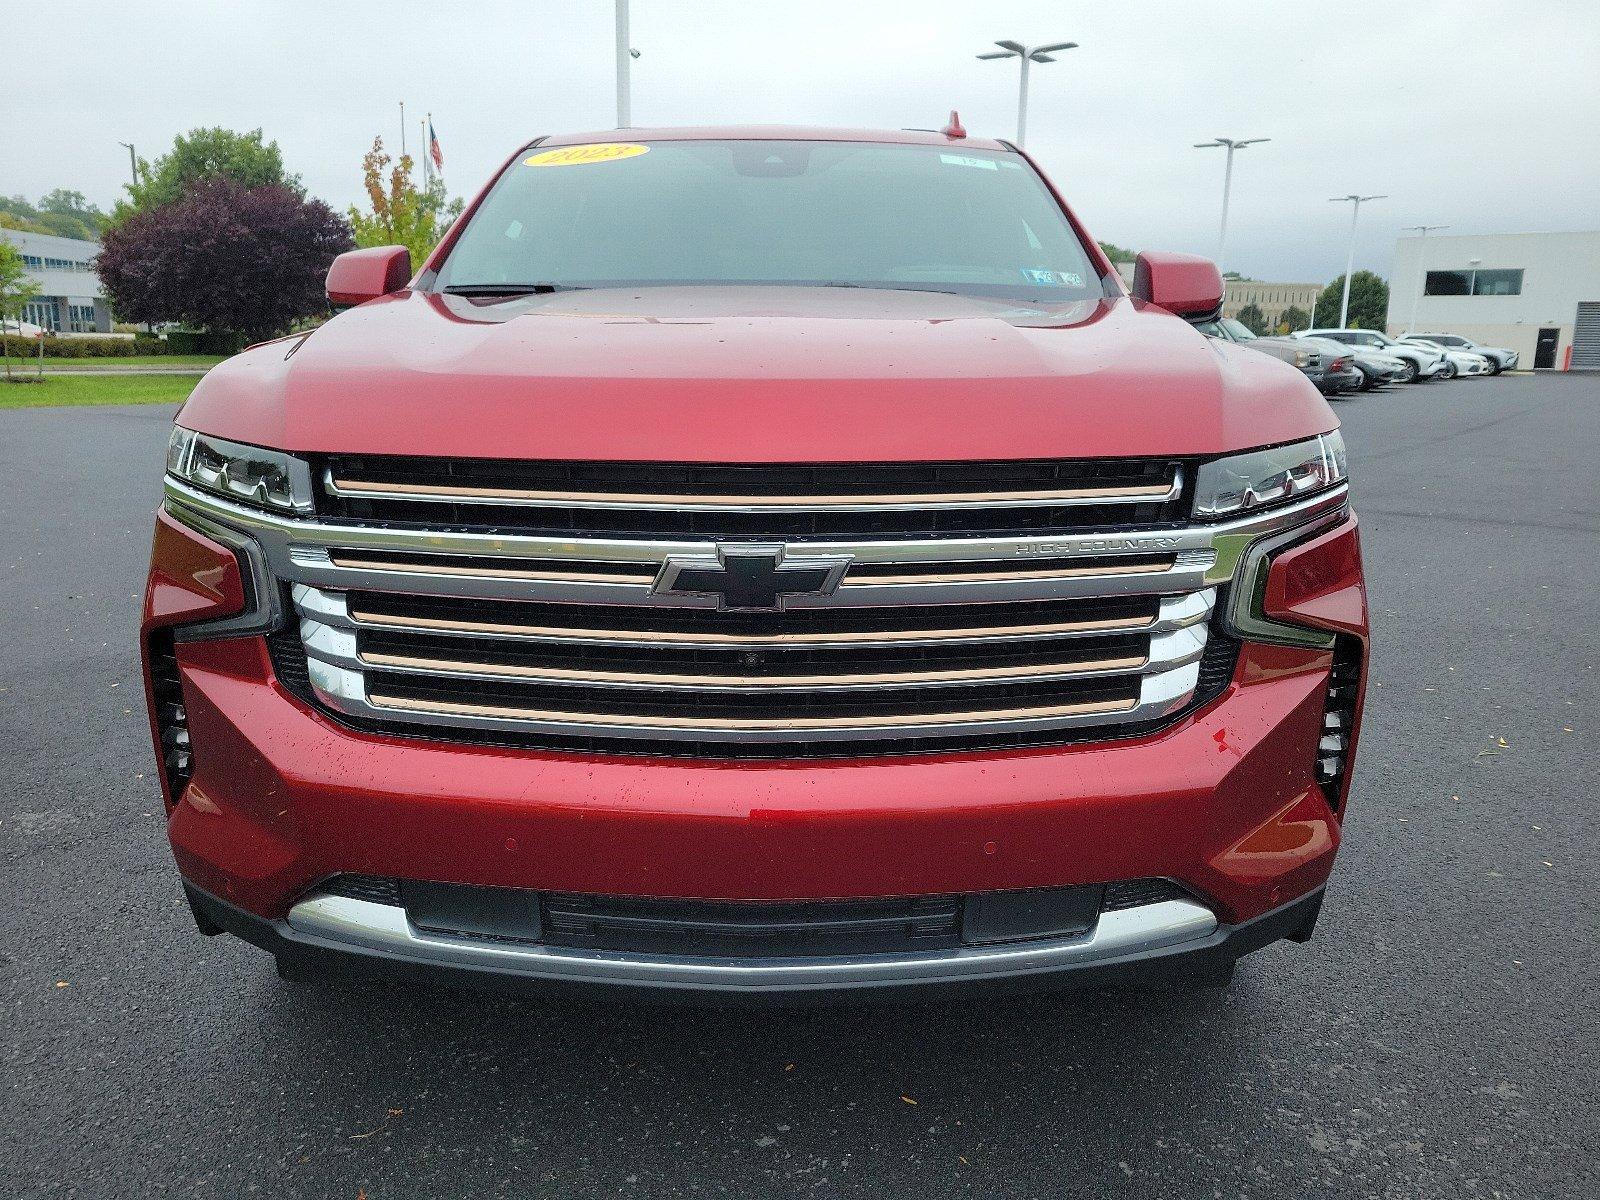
625, 54
1028, 54
1355, 202
1422, 271
133, 162
1232, 144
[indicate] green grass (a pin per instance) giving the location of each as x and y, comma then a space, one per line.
134, 360
89, 389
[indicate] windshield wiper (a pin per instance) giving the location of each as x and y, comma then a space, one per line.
509, 289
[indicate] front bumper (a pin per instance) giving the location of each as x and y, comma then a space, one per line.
1226, 801
1172, 941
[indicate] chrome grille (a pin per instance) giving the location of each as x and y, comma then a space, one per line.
937, 638
925, 642
805, 677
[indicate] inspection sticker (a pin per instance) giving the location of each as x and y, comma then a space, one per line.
962, 160
578, 156
1044, 278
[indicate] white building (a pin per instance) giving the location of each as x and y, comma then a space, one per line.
1536, 293
69, 299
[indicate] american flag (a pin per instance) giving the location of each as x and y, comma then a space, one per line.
433, 148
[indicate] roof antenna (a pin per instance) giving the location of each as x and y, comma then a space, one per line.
955, 129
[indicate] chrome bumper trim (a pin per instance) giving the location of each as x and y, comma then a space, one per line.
339, 922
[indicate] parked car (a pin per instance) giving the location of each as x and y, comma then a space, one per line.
1342, 375
1500, 358
1306, 359
898, 604
1429, 363
1379, 370
1461, 362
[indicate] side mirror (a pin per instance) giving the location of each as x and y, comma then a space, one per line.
361, 275
1186, 285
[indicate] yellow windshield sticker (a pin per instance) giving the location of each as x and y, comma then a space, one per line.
577, 156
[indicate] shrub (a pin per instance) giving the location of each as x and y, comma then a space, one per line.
191, 341
84, 347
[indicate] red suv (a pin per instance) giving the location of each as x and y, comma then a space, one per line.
758, 562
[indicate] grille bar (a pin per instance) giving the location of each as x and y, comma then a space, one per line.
712, 501
1158, 492
836, 629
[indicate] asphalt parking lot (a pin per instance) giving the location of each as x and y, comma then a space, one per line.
1439, 1038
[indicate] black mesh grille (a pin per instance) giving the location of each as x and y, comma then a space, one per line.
752, 929
1136, 893
374, 888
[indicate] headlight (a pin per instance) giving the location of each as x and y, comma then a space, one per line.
262, 478
1261, 478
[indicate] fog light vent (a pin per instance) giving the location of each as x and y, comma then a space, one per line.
172, 719
1338, 719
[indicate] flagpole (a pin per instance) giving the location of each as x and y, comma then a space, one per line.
426, 165
402, 129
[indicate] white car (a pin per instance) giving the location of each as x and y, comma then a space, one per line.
1500, 358
1428, 362
1462, 362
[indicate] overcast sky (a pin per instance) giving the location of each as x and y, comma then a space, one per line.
1479, 115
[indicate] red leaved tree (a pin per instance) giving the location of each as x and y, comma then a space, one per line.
223, 258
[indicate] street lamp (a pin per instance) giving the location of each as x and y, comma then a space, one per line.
1028, 54
1422, 273
1232, 144
625, 56
1355, 203
133, 162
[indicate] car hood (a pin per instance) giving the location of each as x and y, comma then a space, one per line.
766, 374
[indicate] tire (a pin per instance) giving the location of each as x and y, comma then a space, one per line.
1494, 366
1409, 375
1449, 370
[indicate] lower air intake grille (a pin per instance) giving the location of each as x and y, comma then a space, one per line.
373, 888
172, 718
746, 929
1338, 718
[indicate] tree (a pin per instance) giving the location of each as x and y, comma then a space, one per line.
1253, 319
1369, 302
62, 213
225, 258
1116, 253
16, 289
402, 214
1294, 319
207, 154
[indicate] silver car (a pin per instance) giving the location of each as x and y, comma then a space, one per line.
1500, 358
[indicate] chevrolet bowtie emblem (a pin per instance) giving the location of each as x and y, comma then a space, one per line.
752, 577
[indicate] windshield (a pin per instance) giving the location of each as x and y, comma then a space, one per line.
1240, 332
856, 214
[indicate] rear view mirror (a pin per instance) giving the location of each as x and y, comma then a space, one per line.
361, 275
1186, 285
